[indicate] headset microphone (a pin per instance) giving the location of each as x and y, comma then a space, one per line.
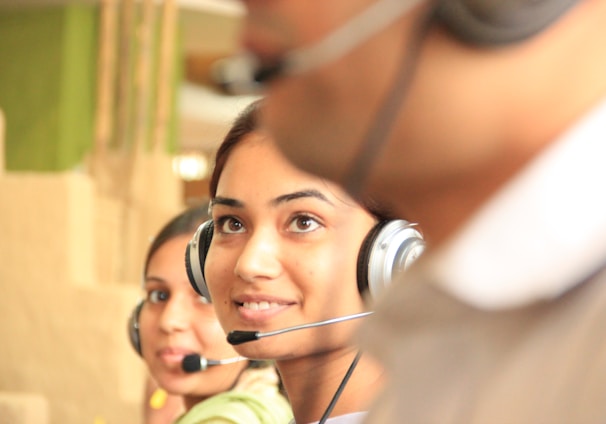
238, 337
245, 73
480, 23
194, 362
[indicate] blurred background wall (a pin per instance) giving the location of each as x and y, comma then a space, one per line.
108, 125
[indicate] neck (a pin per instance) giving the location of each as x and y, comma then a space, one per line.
190, 401
312, 381
228, 376
460, 195
522, 107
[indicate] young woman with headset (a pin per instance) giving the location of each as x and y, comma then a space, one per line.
179, 337
288, 261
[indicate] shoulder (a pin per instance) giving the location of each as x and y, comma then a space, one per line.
254, 400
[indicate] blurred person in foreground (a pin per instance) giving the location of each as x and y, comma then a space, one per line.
484, 121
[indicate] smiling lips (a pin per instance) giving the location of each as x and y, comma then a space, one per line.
173, 355
260, 310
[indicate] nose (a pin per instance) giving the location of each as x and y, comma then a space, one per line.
260, 257
176, 315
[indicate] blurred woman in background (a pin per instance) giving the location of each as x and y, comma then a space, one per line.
175, 331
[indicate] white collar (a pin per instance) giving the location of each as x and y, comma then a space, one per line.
351, 418
539, 235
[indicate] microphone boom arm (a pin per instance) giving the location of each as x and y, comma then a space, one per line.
238, 337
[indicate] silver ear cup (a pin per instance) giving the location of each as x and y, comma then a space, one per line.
195, 257
393, 249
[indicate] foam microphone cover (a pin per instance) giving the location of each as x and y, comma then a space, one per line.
238, 337
191, 363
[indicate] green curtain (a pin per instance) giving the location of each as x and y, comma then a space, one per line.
47, 85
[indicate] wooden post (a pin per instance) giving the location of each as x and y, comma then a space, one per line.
145, 33
106, 69
134, 166
123, 103
165, 75
2, 143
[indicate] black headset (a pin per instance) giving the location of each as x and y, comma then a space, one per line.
389, 247
496, 22
133, 328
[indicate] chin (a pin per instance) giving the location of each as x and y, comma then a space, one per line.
174, 387
253, 352
260, 350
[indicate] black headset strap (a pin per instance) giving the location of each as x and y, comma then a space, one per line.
378, 132
341, 387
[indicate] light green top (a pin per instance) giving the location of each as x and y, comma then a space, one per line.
254, 400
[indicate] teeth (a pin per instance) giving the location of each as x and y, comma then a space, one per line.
258, 306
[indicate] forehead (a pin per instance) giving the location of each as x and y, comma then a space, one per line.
255, 168
170, 250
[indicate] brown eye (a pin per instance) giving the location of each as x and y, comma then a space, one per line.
235, 226
303, 224
230, 225
157, 296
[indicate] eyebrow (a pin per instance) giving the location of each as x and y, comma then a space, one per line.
228, 201
299, 195
153, 279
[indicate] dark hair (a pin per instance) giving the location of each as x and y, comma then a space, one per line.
245, 123
183, 224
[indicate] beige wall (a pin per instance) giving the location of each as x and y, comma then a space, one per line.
64, 303
2, 131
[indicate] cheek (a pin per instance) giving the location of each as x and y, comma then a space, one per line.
210, 332
213, 340
331, 275
218, 271
147, 335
